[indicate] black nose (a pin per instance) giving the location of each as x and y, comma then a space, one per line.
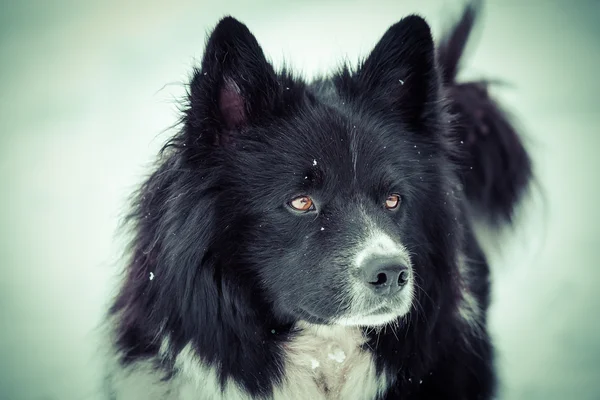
385, 276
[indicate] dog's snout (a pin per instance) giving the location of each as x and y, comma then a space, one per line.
385, 275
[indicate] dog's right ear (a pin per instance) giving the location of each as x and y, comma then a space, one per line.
235, 87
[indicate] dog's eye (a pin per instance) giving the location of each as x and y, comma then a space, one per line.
393, 201
302, 203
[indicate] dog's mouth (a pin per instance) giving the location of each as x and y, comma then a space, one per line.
370, 310
380, 315
363, 308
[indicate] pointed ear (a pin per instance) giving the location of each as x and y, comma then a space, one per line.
401, 72
235, 87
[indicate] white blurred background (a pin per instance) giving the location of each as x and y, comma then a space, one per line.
88, 91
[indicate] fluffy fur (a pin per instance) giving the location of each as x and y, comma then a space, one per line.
231, 293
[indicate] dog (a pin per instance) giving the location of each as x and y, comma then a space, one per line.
315, 239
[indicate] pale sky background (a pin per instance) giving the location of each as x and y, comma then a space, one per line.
84, 107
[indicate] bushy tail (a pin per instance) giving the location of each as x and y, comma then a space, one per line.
497, 168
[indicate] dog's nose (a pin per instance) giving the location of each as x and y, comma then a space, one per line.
385, 276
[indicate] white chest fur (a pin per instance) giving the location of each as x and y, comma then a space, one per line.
329, 363
321, 363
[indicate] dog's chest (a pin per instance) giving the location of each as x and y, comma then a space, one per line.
329, 363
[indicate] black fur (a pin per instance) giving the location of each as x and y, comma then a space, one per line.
234, 268
496, 168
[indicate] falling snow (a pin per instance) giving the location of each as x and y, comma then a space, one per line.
314, 162
151, 275
337, 356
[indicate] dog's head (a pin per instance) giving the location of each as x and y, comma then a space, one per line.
332, 188
331, 202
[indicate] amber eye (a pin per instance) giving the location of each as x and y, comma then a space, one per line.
302, 203
392, 202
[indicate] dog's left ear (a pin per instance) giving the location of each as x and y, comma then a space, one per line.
235, 87
401, 71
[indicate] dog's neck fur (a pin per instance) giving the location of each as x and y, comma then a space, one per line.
319, 362
329, 362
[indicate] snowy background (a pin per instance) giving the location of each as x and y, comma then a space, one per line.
88, 91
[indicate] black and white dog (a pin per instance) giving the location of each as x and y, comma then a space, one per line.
313, 240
